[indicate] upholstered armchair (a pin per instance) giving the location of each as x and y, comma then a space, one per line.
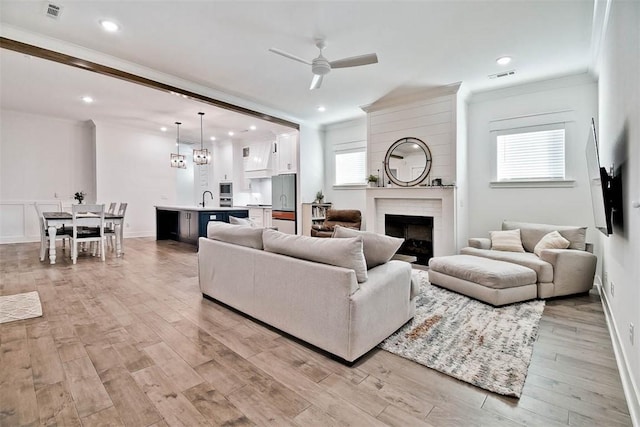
349, 218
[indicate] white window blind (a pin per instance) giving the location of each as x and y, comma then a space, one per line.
535, 155
351, 167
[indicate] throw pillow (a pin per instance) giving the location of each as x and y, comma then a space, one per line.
241, 221
378, 248
345, 253
508, 240
553, 240
242, 235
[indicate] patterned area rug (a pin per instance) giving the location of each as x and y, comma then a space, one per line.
475, 342
20, 306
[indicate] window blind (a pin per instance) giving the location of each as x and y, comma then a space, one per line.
531, 155
351, 167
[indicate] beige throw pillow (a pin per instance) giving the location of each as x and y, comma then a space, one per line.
345, 253
241, 221
243, 235
553, 240
378, 248
508, 240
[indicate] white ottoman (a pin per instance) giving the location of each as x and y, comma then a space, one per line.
491, 281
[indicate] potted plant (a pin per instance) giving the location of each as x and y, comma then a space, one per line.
319, 196
372, 180
79, 196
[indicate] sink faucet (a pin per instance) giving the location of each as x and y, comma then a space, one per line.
205, 192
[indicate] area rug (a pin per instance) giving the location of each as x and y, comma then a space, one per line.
20, 306
474, 342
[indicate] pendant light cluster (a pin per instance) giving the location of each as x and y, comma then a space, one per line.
177, 160
200, 157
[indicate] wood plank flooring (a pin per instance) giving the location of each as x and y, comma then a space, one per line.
132, 342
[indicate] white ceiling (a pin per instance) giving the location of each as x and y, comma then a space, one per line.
224, 45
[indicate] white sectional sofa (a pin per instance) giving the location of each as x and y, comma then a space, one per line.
559, 271
346, 310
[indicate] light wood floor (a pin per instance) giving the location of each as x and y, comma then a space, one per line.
132, 342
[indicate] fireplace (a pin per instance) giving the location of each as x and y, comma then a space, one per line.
417, 232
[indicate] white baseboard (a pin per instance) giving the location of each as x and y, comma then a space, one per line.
628, 384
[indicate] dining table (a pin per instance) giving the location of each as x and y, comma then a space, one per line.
53, 220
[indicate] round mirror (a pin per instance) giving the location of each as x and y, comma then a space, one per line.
408, 162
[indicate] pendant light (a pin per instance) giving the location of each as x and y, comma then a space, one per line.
177, 160
201, 156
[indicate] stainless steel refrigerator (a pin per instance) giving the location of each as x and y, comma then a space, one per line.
283, 202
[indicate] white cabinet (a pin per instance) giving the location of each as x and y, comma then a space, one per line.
257, 216
285, 154
261, 217
266, 217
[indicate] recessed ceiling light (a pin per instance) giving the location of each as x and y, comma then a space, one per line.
109, 26
163, 129
321, 108
503, 60
213, 138
252, 127
87, 99
231, 133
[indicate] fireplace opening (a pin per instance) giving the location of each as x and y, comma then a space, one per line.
417, 232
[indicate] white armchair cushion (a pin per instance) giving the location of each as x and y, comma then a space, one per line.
508, 240
345, 252
553, 240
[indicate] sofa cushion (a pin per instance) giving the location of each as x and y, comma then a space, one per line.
378, 248
345, 252
543, 269
532, 233
243, 235
506, 241
241, 221
552, 240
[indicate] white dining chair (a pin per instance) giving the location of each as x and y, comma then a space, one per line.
87, 226
61, 234
110, 230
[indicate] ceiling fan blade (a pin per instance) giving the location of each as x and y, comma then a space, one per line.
355, 61
290, 56
316, 82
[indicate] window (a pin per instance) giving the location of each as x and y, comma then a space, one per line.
531, 154
351, 167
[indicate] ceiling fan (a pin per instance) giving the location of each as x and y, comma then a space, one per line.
321, 65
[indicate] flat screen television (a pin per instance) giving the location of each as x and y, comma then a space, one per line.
600, 184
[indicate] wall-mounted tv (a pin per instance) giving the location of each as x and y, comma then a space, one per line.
600, 183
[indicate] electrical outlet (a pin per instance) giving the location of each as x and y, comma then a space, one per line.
612, 289
604, 277
631, 330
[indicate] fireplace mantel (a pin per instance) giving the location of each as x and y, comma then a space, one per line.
438, 202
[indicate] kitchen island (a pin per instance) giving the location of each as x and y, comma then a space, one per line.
187, 223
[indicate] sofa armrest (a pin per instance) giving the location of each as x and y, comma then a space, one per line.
573, 270
480, 243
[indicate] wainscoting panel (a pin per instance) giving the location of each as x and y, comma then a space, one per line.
19, 220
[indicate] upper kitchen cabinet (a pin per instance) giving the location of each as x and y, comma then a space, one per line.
223, 161
285, 154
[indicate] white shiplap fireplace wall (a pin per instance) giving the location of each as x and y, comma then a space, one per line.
432, 117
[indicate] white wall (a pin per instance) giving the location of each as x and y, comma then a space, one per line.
619, 140
44, 160
354, 134
577, 97
310, 167
133, 166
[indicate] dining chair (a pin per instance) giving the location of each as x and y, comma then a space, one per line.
61, 234
110, 230
87, 226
